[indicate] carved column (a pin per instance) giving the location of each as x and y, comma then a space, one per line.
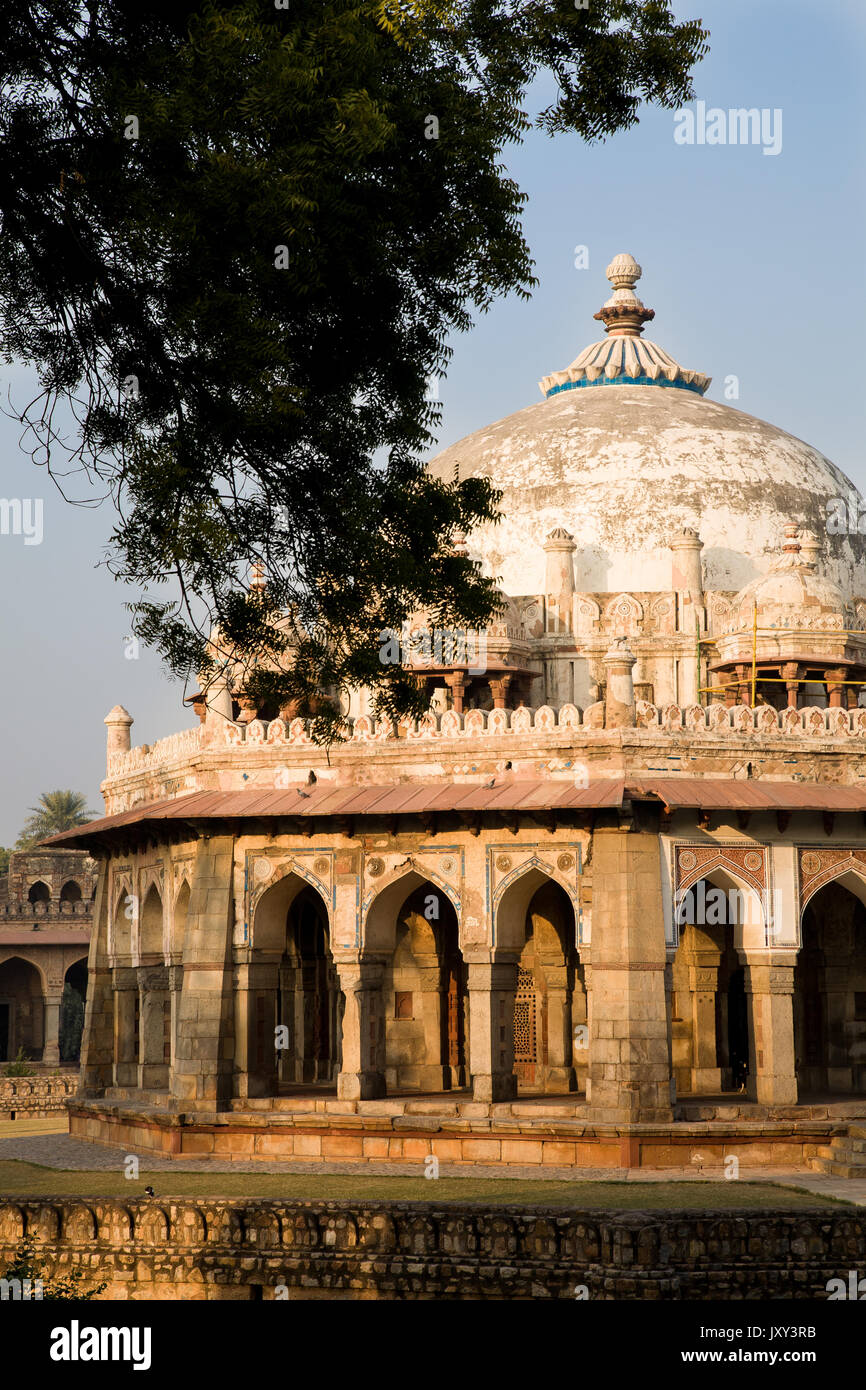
836, 688
790, 672
362, 1076
770, 987
492, 987
51, 1035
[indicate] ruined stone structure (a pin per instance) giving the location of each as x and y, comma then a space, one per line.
616, 876
46, 906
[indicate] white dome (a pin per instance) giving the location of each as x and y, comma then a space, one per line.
623, 468
624, 465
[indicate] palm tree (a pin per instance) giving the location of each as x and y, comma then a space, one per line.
56, 811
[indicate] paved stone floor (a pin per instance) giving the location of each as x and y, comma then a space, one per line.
57, 1149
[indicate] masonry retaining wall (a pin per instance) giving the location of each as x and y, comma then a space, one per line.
236, 1249
33, 1097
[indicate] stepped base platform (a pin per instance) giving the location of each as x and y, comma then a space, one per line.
529, 1132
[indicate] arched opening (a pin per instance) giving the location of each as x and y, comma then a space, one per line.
39, 892
72, 1012
70, 892
310, 1001
536, 922
830, 991
716, 919
22, 1010
150, 939
425, 995
121, 929
290, 1013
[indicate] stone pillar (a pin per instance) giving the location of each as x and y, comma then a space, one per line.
457, 685
362, 1076
703, 985
125, 987
175, 985
688, 582
559, 550
560, 1068
790, 672
153, 998
836, 688
687, 571
205, 1045
619, 688
499, 690
97, 1040
51, 1029
770, 987
630, 1073
256, 1062
118, 722
492, 987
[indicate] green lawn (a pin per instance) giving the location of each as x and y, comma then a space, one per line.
17, 1177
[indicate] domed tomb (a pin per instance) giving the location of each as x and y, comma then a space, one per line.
624, 450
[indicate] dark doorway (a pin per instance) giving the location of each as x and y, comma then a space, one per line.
4, 1032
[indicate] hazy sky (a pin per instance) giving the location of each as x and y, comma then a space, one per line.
752, 261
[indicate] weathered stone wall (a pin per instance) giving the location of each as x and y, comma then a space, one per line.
35, 1096
200, 1249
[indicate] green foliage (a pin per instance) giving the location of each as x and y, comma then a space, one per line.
56, 811
232, 244
4, 860
19, 1066
66, 1288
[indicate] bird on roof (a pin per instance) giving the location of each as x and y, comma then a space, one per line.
312, 779
491, 783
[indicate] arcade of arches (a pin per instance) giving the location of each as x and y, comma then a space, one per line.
712, 1004
273, 976
417, 1007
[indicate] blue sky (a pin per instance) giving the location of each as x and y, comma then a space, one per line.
753, 264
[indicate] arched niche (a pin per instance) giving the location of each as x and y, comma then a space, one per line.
70, 892
151, 941
39, 892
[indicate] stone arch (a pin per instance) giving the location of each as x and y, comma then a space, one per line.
39, 892
710, 1024
23, 989
151, 927
720, 872
536, 927
424, 988
72, 1007
71, 892
122, 920
527, 878
850, 873
381, 905
268, 926
293, 1002
830, 988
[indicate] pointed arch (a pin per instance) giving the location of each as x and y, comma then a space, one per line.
382, 904
151, 924
513, 895
271, 907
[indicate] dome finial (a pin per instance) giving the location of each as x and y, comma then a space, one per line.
624, 315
